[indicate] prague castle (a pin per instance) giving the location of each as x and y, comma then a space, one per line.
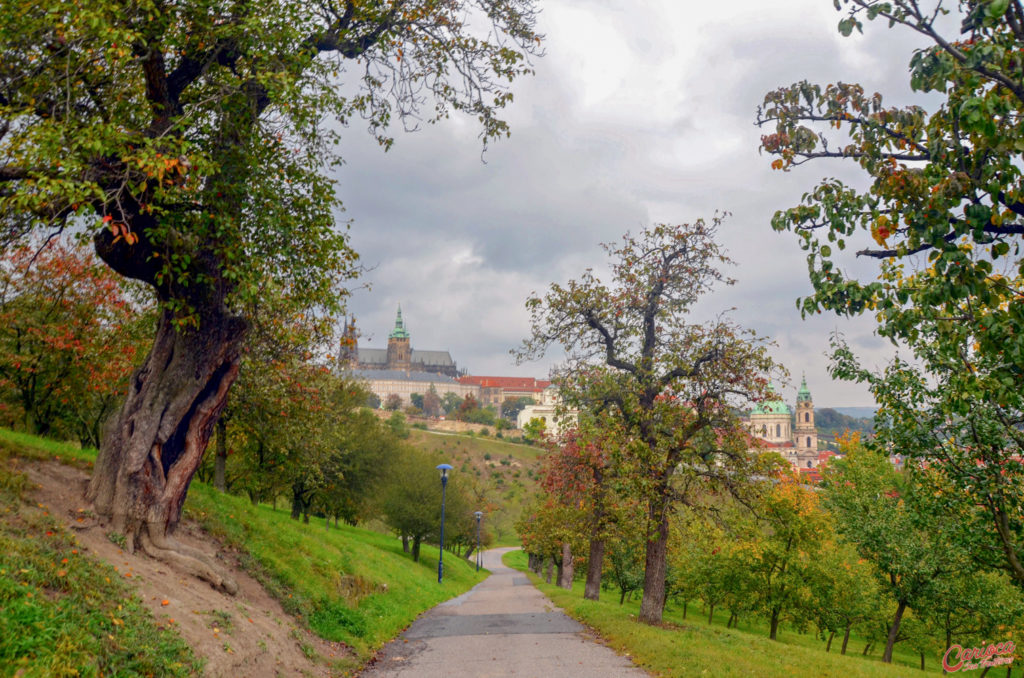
399, 355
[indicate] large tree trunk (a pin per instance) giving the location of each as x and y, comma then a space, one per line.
652, 604
155, 443
592, 590
894, 631
846, 638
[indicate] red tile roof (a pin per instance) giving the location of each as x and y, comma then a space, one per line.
507, 383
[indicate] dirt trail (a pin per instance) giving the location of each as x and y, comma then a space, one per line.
248, 634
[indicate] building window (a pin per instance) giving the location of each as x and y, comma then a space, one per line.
808, 463
808, 441
778, 431
807, 416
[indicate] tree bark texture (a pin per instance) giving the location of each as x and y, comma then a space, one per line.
155, 443
566, 571
592, 590
652, 603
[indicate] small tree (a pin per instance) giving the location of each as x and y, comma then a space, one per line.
393, 402
431, 402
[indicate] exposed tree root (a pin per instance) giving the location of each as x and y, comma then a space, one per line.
157, 545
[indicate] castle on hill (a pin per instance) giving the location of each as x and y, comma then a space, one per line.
402, 370
776, 427
399, 355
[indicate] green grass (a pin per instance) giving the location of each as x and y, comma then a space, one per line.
346, 584
63, 613
693, 648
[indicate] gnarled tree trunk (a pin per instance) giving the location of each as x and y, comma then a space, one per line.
155, 443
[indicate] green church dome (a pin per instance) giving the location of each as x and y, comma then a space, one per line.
773, 406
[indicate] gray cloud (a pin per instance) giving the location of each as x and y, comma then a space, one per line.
638, 112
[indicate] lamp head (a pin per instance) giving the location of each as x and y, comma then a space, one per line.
444, 468
478, 514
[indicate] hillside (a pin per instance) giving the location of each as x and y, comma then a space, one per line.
314, 599
507, 472
832, 423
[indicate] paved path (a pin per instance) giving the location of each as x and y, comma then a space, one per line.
502, 627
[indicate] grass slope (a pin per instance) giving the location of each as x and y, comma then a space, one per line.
694, 648
61, 612
347, 584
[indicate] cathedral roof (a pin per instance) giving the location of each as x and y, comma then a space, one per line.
774, 405
379, 356
399, 332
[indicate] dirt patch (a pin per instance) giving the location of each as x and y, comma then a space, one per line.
247, 634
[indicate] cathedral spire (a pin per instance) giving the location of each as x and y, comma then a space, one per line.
804, 394
399, 332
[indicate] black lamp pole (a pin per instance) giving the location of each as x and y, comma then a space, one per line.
479, 557
444, 468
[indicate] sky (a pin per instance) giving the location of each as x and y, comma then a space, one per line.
639, 112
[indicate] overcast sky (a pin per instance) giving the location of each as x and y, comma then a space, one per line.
640, 112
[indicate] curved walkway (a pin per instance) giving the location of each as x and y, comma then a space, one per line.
501, 627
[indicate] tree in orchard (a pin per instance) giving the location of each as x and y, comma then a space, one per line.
190, 140
70, 331
942, 213
781, 562
887, 521
575, 472
633, 352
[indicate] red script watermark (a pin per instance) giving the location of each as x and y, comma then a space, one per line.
959, 658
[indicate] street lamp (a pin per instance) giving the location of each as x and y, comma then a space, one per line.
443, 468
479, 556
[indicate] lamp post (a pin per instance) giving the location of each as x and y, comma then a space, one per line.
479, 557
443, 468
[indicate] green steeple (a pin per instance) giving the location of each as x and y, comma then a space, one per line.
804, 394
399, 332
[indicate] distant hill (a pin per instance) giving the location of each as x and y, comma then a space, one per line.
856, 412
832, 423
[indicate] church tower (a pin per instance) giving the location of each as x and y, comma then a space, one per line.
348, 352
399, 352
805, 435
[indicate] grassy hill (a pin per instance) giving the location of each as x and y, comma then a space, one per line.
507, 471
345, 584
692, 647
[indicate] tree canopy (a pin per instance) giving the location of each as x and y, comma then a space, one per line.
941, 214
191, 142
